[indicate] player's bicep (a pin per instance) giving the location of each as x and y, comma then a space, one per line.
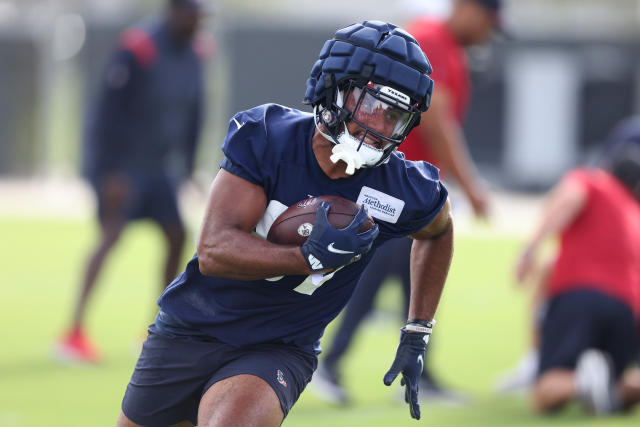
233, 203
440, 224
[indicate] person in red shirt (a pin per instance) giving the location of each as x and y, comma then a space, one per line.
438, 139
592, 290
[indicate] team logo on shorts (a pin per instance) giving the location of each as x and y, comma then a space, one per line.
281, 378
305, 229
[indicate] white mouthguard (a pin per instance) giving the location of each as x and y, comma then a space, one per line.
347, 151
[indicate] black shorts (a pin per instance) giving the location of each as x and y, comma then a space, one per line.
578, 320
173, 373
152, 197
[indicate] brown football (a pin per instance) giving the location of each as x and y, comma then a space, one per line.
294, 225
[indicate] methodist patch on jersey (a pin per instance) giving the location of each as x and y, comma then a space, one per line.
273, 211
381, 205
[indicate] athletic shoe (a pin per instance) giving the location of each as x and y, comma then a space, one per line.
76, 347
595, 382
522, 377
325, 384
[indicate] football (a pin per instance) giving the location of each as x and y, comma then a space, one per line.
294, 225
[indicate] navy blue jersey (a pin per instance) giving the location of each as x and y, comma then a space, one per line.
270, 145
147, 116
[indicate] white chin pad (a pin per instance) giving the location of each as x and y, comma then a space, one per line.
347, 151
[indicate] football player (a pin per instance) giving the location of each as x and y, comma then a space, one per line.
237, 336
140, 146
439, 140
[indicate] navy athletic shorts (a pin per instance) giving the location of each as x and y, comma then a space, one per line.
153, 197
173, 372
579, 320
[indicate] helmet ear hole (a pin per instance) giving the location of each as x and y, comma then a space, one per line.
332, 116
328, 117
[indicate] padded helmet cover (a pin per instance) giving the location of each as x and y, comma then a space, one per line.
372, 51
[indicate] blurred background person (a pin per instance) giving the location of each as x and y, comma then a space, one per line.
139, 146
536, 273
592, 291
439, 140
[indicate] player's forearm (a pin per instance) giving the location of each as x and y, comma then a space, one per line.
430, 262
235, 254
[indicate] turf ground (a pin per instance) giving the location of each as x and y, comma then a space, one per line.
480, 332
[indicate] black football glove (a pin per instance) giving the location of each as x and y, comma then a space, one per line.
329, 248
410, 361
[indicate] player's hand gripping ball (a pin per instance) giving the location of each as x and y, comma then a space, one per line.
331, 231
294, 225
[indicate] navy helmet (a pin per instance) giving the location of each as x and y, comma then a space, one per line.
375, 51
372, 60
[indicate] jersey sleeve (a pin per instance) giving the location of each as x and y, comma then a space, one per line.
244, 148
140, 44
136, 51
428, 195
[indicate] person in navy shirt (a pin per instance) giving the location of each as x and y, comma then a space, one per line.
140, 145
238, 333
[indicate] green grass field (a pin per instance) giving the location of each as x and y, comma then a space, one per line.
480, 332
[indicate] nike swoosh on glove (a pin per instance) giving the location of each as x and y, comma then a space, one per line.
409, 361
329, 248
